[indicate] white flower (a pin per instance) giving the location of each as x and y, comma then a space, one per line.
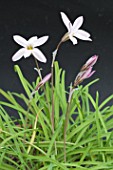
73, 30
29, 48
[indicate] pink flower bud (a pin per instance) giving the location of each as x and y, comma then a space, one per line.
43, 81
86, 70
90, 62
87, 73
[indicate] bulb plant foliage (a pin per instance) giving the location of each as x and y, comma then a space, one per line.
56, 129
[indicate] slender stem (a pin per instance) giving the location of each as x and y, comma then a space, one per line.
39, 72
67, 119
40, 75
65, 129
52, 85
26, 118
52, 116
58, 45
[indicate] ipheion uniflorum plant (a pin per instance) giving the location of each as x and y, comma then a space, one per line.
58, 128
30, 48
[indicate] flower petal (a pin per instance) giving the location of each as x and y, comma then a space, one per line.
73, 39
32, 39
87, 73
39, 55
40, 41
18, 54
66, 21
20, 40
27, 53
91, 74
77, 23
83, 35
43, 81
91, 61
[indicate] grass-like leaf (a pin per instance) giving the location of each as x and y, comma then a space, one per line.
28, 142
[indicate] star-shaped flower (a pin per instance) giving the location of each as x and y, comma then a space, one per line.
29, 47
73, 30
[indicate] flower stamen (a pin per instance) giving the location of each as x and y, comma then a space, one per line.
30, 47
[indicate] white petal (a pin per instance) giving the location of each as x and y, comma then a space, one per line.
32, 39
77, 23
18, 54
73, 39
20, 40
27, 53
66, 21
83, 35
40, 41
39, 55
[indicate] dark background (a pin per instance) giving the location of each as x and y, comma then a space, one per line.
42, 17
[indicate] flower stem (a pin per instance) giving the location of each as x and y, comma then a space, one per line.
65, 129
39, 72
52, 114
40, 75
26, 118
58, 45
67, 119
52, 85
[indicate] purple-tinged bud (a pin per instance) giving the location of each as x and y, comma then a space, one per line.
82, 75
87, 73
43, 81
90, 62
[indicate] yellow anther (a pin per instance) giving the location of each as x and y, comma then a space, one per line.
29, 47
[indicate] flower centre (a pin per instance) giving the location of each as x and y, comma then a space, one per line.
29, 47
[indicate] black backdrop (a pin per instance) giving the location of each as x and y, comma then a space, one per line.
42, 17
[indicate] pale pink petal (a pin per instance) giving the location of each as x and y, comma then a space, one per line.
91, 61
46, 78
18, 55
91, 73
32, 40
86, 74
43, 81
66, 21
40, 41
83, 35
20, 40
77, 23
73, 39
27, 53
39, 55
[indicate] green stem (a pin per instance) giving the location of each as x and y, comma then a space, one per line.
40, 75
52, 116
39, 72
26, 118
52, 85
65, 129
67, 119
